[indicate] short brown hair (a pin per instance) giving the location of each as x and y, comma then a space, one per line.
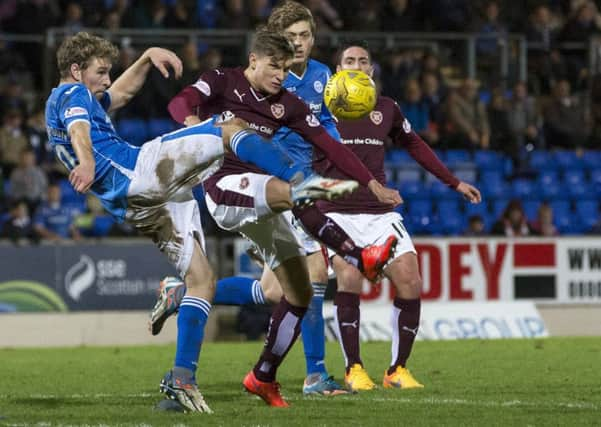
289, 13
81, 49
266, 42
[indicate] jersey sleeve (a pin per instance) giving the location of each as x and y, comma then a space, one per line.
402, 134
75, 106
193, 99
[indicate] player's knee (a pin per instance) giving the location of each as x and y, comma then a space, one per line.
409, 287
278, 195
349, 279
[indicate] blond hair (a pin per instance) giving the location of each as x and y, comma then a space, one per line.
289, 13
81, 49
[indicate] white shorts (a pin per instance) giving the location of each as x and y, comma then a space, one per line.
309, 243
160, 203
238, 203
370, 229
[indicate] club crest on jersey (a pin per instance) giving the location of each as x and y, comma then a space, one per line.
318, 86
406, 126
244, 183
312, 121
376, 117
75, 111
277, 110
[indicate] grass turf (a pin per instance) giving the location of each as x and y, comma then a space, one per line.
499, 382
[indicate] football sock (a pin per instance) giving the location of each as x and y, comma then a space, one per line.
405, 323
193, 313
251, 148
331, 234
313, 333
348, 322
238, 290
284, 328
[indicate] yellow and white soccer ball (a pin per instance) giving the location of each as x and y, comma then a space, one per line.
350, 94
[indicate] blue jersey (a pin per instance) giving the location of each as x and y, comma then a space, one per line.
308, 87
115, 158
56, 218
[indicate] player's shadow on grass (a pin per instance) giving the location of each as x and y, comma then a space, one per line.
50, 402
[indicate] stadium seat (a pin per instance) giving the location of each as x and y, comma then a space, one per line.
405, 173
587, 212
553, 190
466, 173
568, 159
573, 177
453, 225
438, 191
134, 131
449, 207
157, 127
591, 159
390, 172
456, 158
562, 215
498, 207
471, 209
531, 208
595, 180
397, 157
522, 188
489, 160
546, 177
542, 160
492, 184
421, 207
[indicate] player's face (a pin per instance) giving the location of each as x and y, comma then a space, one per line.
356, 58
301, 36
96, 77
267, 74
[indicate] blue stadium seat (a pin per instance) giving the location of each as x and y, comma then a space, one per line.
466, 173
562, 215
458, 156
542, 160
452, 224
398, 156
523, 188
498, 207
134, 131
546, 177
475, 209
422, 207
157, 127
588, 213
531, 208
439, 191
492, 184
390, 172
553, 190
595, 181
413, 190
449, 207
489, 160
404, 174
567, 159
574, 177
591, 159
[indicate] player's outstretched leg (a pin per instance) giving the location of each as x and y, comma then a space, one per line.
316, 187
370, 260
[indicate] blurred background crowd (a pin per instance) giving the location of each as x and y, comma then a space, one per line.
532, 144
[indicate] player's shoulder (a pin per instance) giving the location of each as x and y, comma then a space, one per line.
71, 90
318, 69
387, 102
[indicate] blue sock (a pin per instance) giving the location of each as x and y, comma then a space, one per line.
251, 148
193, 313
312, 330
238, 291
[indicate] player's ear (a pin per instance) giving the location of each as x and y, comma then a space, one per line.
252, 60
75, 72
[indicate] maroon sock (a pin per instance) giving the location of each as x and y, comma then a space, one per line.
331, 234
284, 328
404, 330
348, 319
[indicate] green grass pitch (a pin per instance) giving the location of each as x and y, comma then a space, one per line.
552, 381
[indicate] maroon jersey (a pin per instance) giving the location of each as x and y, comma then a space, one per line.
367, 138
228, 89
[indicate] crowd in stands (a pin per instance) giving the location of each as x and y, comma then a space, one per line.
533, 147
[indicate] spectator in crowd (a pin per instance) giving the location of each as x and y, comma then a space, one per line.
180, 15
327, 17
95, 221
12, 96
543, 225
12, 141
492, 34
595, 113
401, 15
397, 68
467, 121
564, 119
513, 222
417, 111
18, 227
475, 226
28, 181
524, 118
434, 95
54, 221
501, 137
449, 15
73, 18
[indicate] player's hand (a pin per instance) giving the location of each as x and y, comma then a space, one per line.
191, 120
470, 192
384, 194
82, 177
164, 59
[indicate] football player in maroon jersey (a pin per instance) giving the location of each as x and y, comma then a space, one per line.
366, 219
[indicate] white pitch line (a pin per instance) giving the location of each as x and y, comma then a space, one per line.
363, 396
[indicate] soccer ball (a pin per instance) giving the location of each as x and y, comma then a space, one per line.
350, 94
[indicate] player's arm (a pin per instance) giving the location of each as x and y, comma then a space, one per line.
346, 161
132, 79
418, 149
186, 105
82, 175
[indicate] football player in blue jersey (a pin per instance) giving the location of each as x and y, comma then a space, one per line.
151, 186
